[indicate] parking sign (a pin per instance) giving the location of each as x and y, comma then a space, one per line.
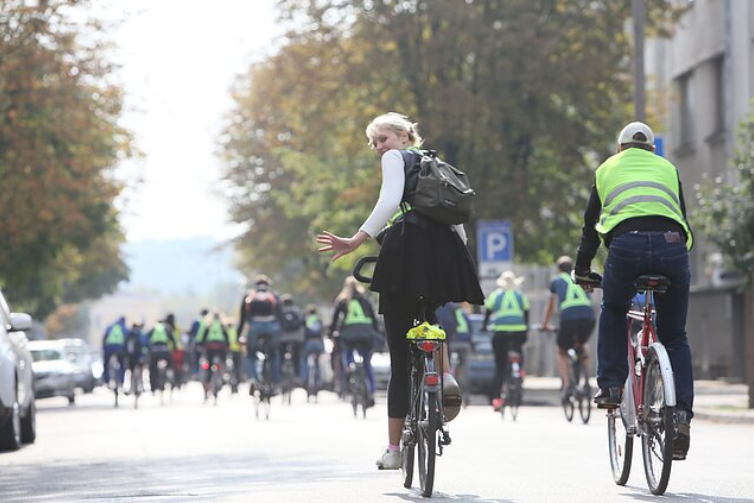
494, 246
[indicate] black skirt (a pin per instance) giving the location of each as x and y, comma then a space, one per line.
424, 258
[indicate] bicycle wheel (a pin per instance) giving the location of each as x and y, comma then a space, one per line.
515, 397
568, 403
407, 454
585, 406
427, 441
657, 437
621, 445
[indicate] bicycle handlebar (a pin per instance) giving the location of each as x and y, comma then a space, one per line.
372, 259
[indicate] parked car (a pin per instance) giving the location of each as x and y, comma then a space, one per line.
17, 418
78, 350
26, 389
54, 370
481, 366
381, 369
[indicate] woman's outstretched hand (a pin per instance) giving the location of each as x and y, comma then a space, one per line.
341, 246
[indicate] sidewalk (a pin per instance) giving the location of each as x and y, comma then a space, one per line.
717, 401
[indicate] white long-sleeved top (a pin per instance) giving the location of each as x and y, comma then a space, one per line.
391, 193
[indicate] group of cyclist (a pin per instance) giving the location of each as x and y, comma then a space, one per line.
135, 348
636, 209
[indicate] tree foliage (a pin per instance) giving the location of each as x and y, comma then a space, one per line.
726, 210
59, 140
524, 95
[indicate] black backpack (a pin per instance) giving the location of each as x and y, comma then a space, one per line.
443, 192
292, 319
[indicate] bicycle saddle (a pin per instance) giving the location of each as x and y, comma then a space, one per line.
653, 282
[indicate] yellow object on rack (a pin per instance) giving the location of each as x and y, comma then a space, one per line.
427, 332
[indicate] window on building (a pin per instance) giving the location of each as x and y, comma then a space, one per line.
686, 109
718, 66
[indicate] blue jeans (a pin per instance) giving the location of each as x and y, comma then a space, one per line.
315, 347
364, 348
631, 255
272, 329
120, 352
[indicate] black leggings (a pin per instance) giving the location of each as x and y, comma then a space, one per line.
502, 342
400, 313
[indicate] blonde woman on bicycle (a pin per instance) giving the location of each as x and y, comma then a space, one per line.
419, 259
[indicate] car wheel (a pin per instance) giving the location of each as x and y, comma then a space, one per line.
72, 398
29, 424
10, 432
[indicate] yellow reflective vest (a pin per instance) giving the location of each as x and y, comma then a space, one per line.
637, 183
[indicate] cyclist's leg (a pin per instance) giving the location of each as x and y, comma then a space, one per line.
672, 308
122, 363
251, 351
275, 356
399, 313
586, 327
500, 350
365, 350
626, 260
320, 348
517, 342
565, 342
153, 361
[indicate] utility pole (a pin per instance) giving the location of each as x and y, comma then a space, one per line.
638, 13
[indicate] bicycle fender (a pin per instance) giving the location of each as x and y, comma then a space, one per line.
628, 405
667, 372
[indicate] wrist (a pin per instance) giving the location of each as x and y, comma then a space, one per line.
359, 238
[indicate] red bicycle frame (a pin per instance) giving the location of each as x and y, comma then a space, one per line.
644, 339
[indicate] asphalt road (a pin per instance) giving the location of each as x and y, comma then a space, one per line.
189, 451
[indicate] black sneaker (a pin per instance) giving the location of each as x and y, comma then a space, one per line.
681, 434
608, 398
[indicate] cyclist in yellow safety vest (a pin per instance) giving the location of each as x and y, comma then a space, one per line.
160, 343
313, 344
508, 307
577, 318
214, 342
636, 209
114, 343
354, 326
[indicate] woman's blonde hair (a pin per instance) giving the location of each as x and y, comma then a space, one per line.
351, 287
398, 123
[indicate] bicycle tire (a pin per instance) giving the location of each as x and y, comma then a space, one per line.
621, 446
568, 407
427, 441
407, 463
585, 407
408, 450
515, 393
657, 437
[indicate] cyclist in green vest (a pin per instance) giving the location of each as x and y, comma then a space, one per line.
577, 317
160, 343
637, 210
214, 342
354, 326
114, 343
314, 344
508, 307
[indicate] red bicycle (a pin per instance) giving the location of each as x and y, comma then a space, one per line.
648, 401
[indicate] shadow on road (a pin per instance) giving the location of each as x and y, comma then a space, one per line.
415, 496
199, 478
643, 494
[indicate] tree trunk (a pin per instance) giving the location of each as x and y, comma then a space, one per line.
749, 338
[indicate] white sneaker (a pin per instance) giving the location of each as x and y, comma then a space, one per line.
390, 460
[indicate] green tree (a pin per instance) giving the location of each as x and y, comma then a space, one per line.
59, 141
725, 215
524, 95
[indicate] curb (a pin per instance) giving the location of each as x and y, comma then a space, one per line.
723, 418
